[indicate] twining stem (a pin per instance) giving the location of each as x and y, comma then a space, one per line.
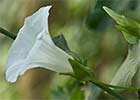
103, 86
118, 87
109, 90
9, 34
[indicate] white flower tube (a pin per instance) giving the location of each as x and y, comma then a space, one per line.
129, 68
34, 47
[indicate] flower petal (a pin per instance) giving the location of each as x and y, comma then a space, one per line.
34, 47
49, 56
129, 68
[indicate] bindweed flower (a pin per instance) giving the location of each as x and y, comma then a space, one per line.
129, 68
34, 47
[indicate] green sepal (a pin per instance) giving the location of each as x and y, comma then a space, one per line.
82, 73
61, 42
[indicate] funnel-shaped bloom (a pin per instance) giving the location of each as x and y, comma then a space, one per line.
34, 47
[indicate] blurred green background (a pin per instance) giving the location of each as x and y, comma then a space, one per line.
89, 31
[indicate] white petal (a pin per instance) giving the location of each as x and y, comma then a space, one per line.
48, 56
126, 72
34, 47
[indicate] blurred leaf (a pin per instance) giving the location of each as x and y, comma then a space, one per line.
85, 61
71, 91
97, 19
129, 27
77, 94
61, 42
60, 94
81, 72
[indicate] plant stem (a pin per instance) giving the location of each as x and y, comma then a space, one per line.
5, 32
109, 90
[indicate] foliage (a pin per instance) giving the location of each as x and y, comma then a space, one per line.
71, 91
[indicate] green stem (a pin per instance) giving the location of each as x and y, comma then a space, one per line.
119, 87
109, 90
5, 32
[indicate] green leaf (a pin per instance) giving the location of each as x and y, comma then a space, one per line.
127, 35
77, 93
129, 27
82, 73
61, 93
61, 42
77, 57
70, 91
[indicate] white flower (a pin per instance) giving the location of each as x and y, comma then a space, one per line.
129, 68
34, 47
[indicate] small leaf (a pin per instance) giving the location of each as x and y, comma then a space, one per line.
129, 27
85, 61
71, 91
130, 38
61, 42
